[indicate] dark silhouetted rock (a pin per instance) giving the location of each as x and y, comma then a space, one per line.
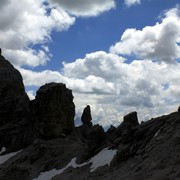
132, 119
13, 98
86, 115
126, 128
112, 129
15, 126
111, 134
96, 135
53, 110
150, 150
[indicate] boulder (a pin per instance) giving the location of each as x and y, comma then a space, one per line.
53, 111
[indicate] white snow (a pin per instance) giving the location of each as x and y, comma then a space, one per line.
4, 158
103, 158
157, 133
48, 175
3, 150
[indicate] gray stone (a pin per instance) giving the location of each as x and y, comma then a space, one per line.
13, 99
53, 111
86, 115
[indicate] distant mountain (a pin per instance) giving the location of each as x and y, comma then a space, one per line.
39, 141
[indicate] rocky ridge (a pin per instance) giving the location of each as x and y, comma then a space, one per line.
43, 129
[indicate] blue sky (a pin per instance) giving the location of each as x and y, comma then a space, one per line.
99, 33
118, 56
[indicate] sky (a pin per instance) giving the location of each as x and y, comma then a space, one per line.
116, 56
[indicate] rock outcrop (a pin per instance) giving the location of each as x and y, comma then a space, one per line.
50, 115
53, 111
13, 98
86, 115
44, 130
93, 135
15, 125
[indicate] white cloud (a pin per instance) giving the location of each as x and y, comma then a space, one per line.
26, 23
158, 42
33, 78
132, 2
104, 80
29, 23
31, 95
114, 88
136, 86
28, 57
84, 7
99, 64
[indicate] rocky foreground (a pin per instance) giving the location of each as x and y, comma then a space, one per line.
38, 138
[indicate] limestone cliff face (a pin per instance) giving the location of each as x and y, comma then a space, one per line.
50, 115
54, 110
12, 93
44, 129
15, 125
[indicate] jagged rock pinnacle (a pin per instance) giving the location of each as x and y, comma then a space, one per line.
86, 115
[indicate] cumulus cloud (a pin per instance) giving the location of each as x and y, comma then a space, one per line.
84, 7
104, 80
29, 23
31, 95
132, 2
99, 64
26, 23
113, 88
140, 86
159, 42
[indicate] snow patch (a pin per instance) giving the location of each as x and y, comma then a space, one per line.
157, 133
103, 158
48, 175
3, 150
4, 158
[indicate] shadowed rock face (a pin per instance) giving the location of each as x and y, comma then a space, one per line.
53, 110
12, 93
146, 151
132, 119
50, 115
15, 126
86, 115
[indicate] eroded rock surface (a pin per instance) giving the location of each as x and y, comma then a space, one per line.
53, 111
86, 115
15, 125
12, 93
50, 115
44, 130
